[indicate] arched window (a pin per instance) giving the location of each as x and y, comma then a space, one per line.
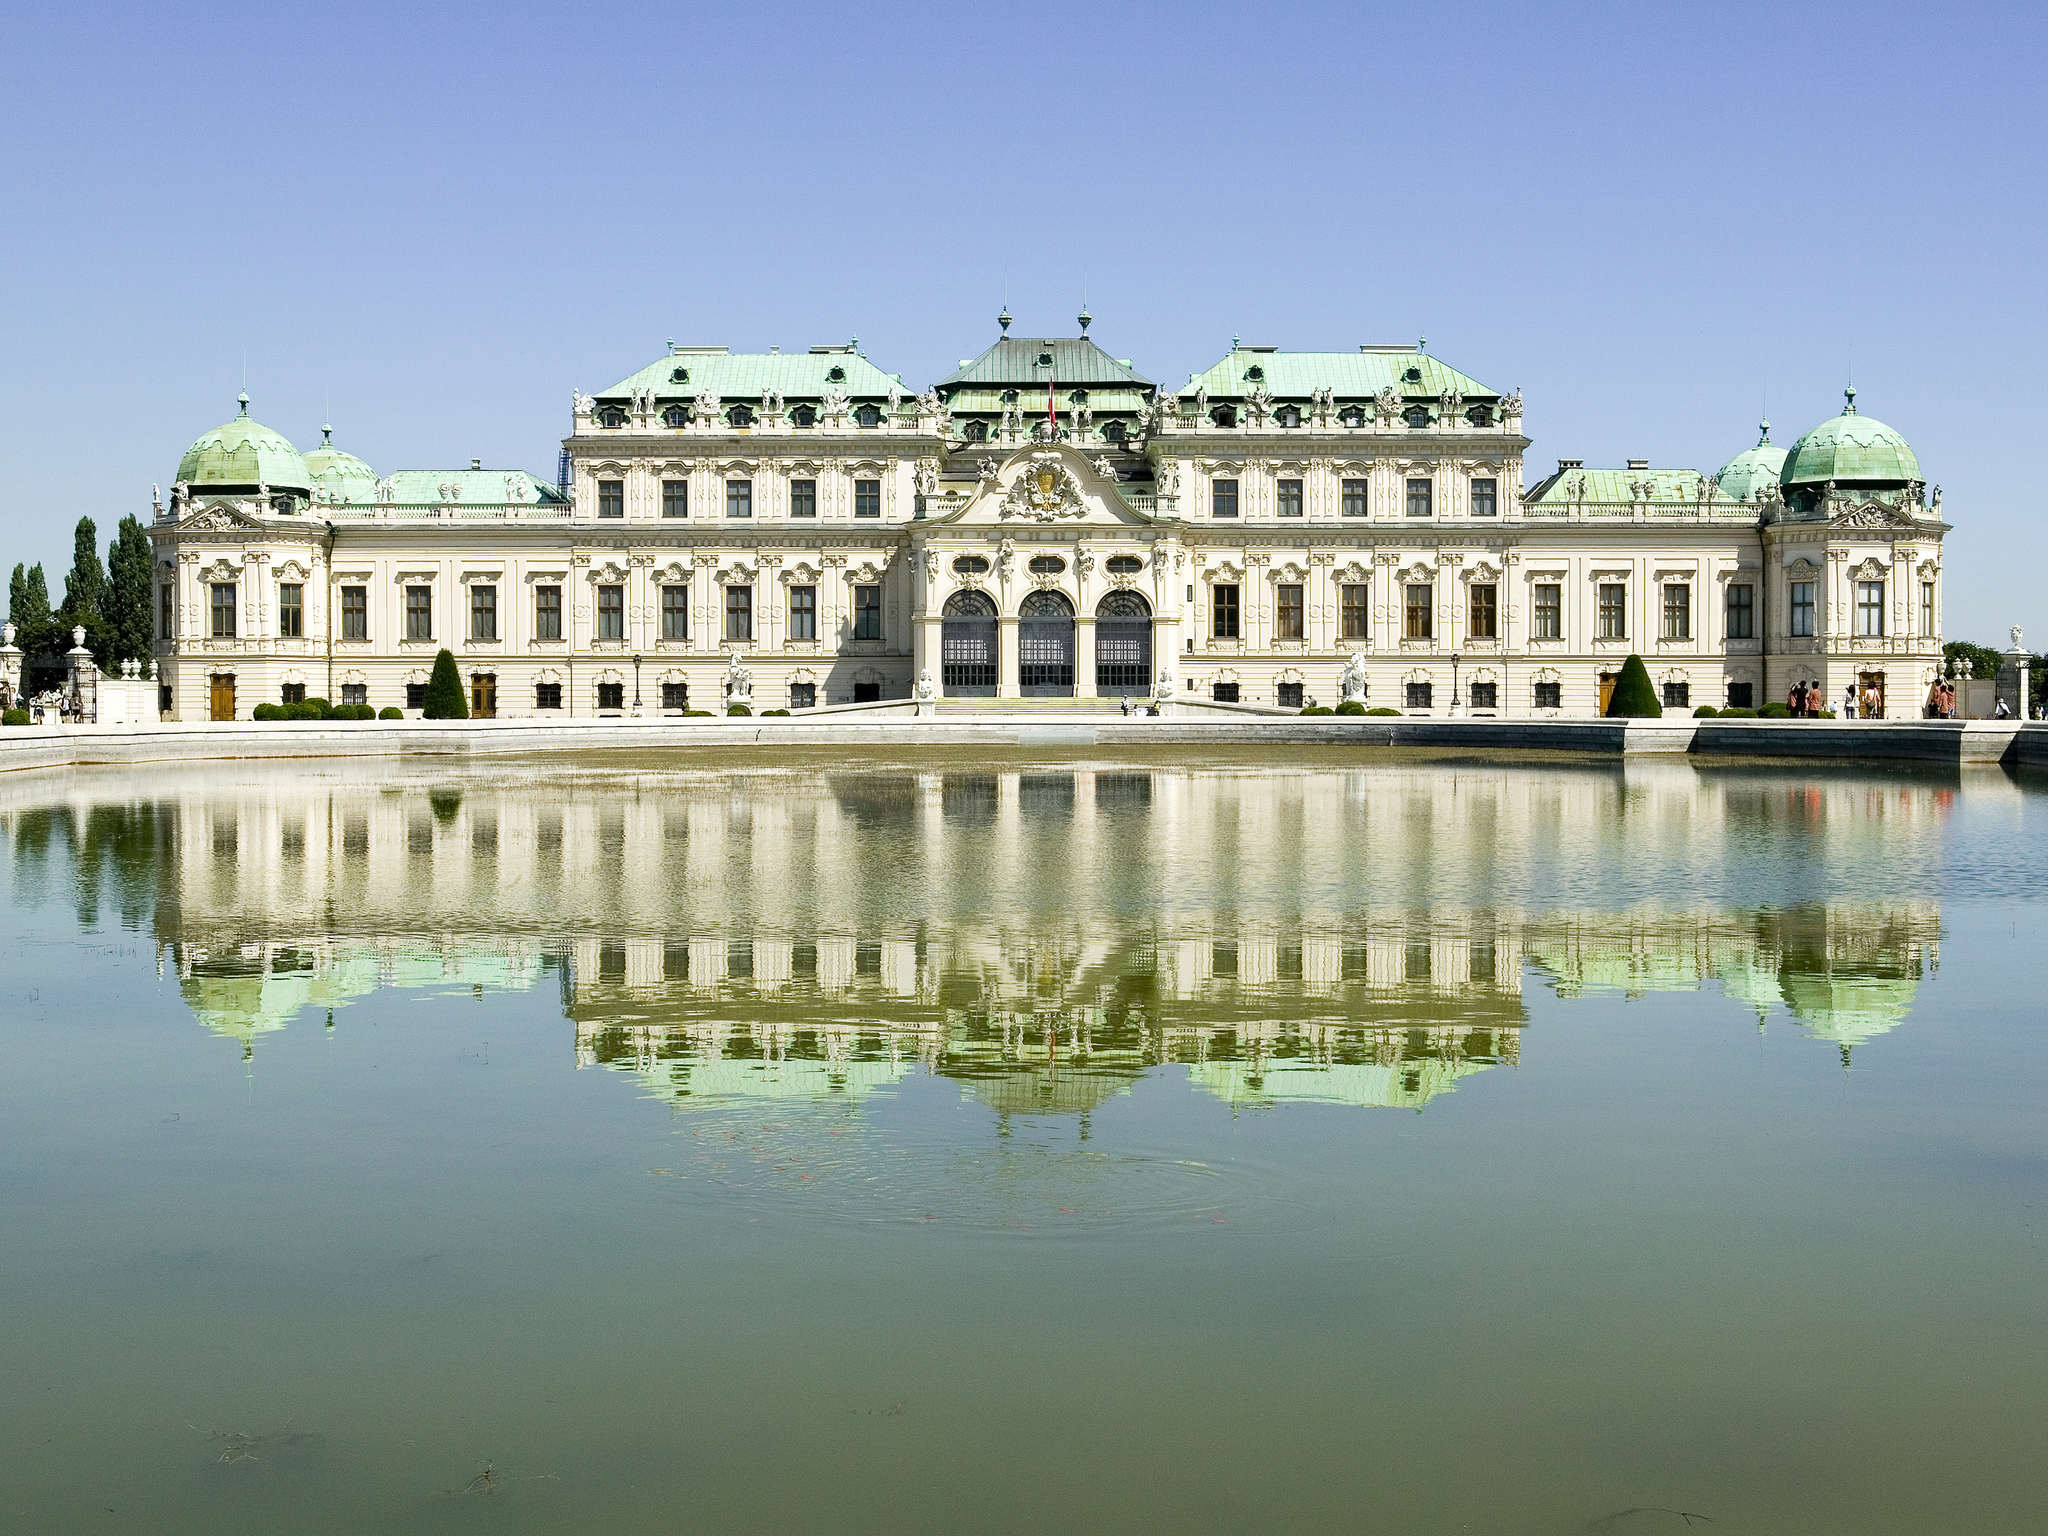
1224, 415
1287, 416
612, 416
1123, 605
969, 604
803, 416
1352, 416
1046, 605
675, 416
1416, 416
868, 416
1047, 565
970, 565
1123, 565
1114, 433
1480, 415
741, 416
977, 432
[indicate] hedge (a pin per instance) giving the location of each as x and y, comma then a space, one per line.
1738, 714
1318, 709
1383, 710
445, 699
767, 712
1705, 712
1775, 711
1634, 698
390, 712
14, 717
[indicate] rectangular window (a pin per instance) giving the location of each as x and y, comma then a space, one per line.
611, 498
1550, 695
1486, 497
547, 695
1223, 498
1419, 695
1869, 609
675, 613
355, 613
1926, 607
1419, 609
415, 695
291, 610
1742, 695
675, 498
1287, 695
739, 498
1354, 498
1549, 615
1613, 610
166, 610
803, 613
355, 693
1290, 498
867, 612
547, 612
419, 613
675, 695
1223, 612
1223, 693
223, 610
1799, 620
292, 693
1419, 498
1741, 611
803, 498
1354, 611
1482, 612
611, 695
867, 498
611, 613
1677, 610
483, 612
1287, 610
867, 693
1486, 695
739, 613
1677, 695
803, 695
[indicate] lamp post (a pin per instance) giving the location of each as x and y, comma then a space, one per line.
636, 682
1455, 658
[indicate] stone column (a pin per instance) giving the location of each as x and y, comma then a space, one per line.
1084, 656
84, 673
1007, 684
2016, 658
924, 645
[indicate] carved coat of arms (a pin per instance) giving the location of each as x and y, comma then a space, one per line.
1044, 492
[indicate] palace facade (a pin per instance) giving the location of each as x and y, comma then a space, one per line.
1283, 529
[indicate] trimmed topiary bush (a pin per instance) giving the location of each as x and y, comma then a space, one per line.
737, 709
390, 712
1775, 711
1705, 712
305, 709
323, 709
1738, 714
267, 712
1318, 709
14, 717
1383, 710
1634, 697
767, 712
696, 714
445, 699
1350, 707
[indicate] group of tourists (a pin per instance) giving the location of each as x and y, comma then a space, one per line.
1806, 701
51, 707
1941, 700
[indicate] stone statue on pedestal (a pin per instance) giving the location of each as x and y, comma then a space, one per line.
1351, 685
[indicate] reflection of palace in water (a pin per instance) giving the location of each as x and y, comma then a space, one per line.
1042, 937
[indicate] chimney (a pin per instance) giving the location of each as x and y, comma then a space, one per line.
1638, 463
476, 463
1565, 464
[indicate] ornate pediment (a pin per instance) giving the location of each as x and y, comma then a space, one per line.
1044, 492
1048, 483
1869, 515
220, 518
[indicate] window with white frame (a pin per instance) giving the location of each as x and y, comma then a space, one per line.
1677, 610
1869, 609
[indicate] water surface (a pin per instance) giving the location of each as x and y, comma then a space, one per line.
1015, 1145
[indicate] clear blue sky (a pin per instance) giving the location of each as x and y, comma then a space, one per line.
435, 222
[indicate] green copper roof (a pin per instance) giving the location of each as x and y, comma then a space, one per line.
686, 374
342, 476
1755, 467
1014, 363
474, 487
1347, 375
1854, 449
988, 400
1619, 485
244, 452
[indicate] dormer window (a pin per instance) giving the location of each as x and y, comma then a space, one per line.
803, 416
740, 416
977, 432
1224, 415
1413, 375
1009, 397
1351, 416
1480, 415
868, 416
281, 505
1114, 433
836, 374
1045, 359
1255, 373
612, 416
1287, 416
675, 416
679, 375
1078, 397
1416, 416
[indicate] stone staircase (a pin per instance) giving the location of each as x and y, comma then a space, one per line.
1030, 706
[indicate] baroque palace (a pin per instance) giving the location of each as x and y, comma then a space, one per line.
1285, 528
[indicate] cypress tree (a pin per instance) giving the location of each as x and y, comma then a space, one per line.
130, 563
85, 590
1634, 697
28, 607
445, 699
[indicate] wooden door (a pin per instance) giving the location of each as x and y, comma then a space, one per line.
1875, 681
223, 695
1606, 689
483, 695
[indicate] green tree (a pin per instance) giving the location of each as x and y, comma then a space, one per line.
1972, 660
85, 590
445, 700
1634, 697
130, 576
28, 607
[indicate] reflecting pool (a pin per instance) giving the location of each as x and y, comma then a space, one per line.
1022, 1144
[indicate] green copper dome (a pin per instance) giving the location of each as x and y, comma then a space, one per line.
244, 453
1743, 475
1851, 449
342, 476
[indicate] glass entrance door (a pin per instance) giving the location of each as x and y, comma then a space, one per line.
1045, 646
1123, 646
967, 646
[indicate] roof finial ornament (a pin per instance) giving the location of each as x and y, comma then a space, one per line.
1003, 319
1763, 428
1084, 317
243, 401
1233, 341
326, 435
1422, 343
1849, 395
